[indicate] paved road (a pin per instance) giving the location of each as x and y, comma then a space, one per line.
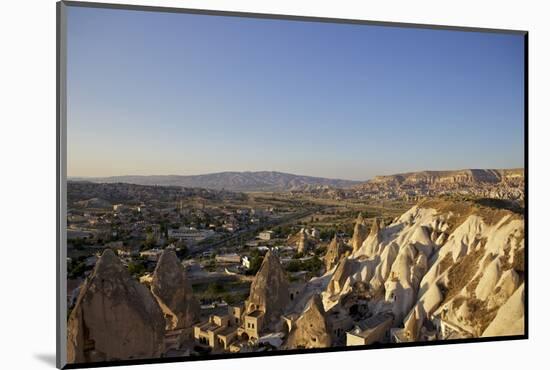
251, 232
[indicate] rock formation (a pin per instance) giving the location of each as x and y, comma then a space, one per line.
375, 229
466, 176
303, 242
311, 329
501, 184
371, 244
470, 279
359, 233
344, 270
269, 292
173, 292
115, 317
335, 252
509, 319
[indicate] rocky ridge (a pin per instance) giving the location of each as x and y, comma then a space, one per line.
444, 269
499, 184
440, 261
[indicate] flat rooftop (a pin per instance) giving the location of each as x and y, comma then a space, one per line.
227, 330
208, 326
366, 327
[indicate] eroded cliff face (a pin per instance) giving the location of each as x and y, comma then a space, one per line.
335, 251
466, 176
457, 262
311, 329
491, 183
303, 242
360, 232
173, 292
114, 318
269, 291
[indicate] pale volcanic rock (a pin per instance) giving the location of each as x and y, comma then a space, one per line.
174, 293
510, 318
413, 323
441, 239
431, 300
269, 292
115, 317
508, 283
375, 229
383, 269
489, 279
335, 252
422, 310
303, 242
422, 240
443, 259
359, 233
486, 183
344, 270
311, 329
371, 245
402, 298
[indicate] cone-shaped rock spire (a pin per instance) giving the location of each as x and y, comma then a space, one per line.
359, 233
311, 329
173, 292
115, 317
269, 291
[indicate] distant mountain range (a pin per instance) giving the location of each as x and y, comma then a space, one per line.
278, 181
232, 181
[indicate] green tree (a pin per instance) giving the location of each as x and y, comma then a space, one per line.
215, 288
255, 264
182, 251
136, 268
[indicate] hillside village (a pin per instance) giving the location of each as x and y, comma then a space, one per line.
158, 271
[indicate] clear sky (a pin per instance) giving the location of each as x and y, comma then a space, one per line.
163, 93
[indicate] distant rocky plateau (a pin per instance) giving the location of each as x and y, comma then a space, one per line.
478, 183
489, 183
467, 176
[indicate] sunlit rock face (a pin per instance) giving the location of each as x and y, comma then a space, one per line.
115, 317
335, 251
360, 232
269, 292
459, 263
311, 329
173, 292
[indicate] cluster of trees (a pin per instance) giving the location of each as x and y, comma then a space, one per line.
283, 231
80, 243
256, 259
76, 268
137, 268
312, 265
215, 291
328, 232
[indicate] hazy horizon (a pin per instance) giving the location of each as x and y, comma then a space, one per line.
290, 173
178, 94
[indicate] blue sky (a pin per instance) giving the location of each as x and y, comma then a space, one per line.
163, 93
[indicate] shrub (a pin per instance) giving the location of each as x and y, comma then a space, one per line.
136, 268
